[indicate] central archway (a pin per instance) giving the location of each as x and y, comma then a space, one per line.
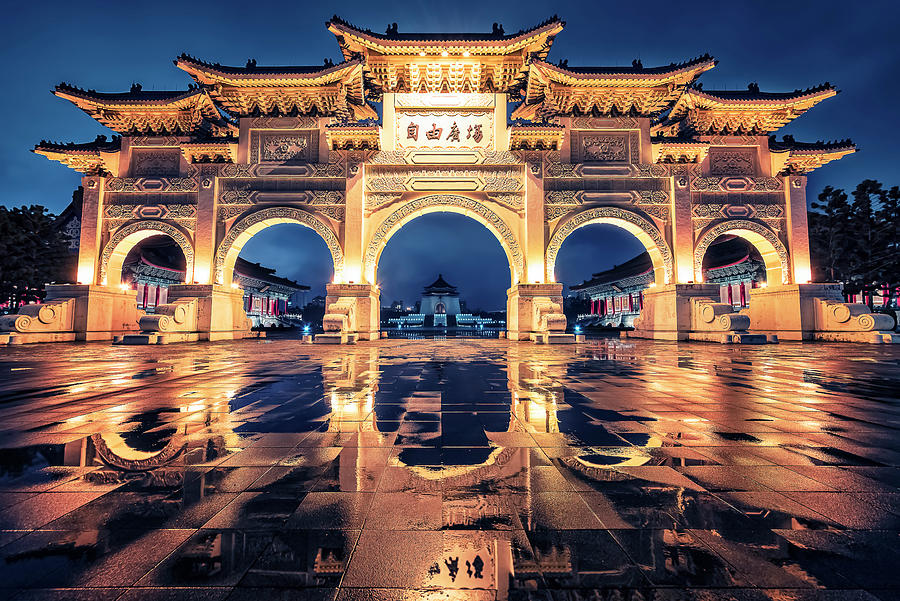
451, 203
246, 228
771, 249
640, 227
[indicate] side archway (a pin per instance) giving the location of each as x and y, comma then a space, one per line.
641, 228
773, 252
451, 203
127, 237
246, 228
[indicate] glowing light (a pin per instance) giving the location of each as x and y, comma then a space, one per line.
763, 284
235, 285
422, 53
466, 53
445, 53
124, 286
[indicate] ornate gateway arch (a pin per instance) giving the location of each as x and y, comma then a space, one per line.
643, 148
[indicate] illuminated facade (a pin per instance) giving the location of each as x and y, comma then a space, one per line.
643, 148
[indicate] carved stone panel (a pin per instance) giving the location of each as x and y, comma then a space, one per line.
732, 161
155, 162
604, 147
284, 146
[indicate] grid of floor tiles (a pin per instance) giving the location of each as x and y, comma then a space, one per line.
459, 469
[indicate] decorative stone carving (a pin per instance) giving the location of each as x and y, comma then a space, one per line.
654, 197
557, 169
284, 123
741, 224
738, 161
151, 184
375, 200
604, 123
488, 179
658, 211
514, 201
155, 162
650, 170
605, 148
379, 239
238, 170
151, 211
289, 213
167, 229
607, 213
284, 148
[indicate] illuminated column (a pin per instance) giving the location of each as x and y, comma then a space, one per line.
682, 232
91, 228
535, 243
205, 230
354, 221
797, 228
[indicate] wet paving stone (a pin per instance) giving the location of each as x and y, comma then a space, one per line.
450, 469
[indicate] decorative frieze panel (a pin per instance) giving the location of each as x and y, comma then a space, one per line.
734, 211
423, 157
736, 184
604, 123
151, 184
650, 170
559, 202
150, 211
284, 123
334, 169
236, 200
489, 179
155, 162
284, 147
605, 147
732, 161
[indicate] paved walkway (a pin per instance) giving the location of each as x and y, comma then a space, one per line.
461, 469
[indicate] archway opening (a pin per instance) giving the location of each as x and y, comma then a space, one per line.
443, 273
604, 269
737, 266
282, 269
770, 249
150, 267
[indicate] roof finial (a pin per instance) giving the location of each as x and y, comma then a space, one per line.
391, 29
251, 63
753, 87
498, 29
135, 88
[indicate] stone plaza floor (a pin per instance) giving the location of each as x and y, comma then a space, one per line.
458, 469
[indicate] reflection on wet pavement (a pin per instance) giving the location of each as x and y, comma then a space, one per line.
461, 469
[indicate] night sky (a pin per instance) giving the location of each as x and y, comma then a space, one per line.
780, 45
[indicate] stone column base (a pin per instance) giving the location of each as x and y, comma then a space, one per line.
691, 312
816, 312
195, 312
73, 312
534, 312
352, 312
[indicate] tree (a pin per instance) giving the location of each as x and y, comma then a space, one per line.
829, 235
33, 252
857, 242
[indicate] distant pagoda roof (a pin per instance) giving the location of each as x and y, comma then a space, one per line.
245, 268
330, 89
722, 254
440, 286
554, 90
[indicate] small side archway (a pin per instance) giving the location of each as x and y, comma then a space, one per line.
450, 203
127, 237
242, 231
640, 227
773, 252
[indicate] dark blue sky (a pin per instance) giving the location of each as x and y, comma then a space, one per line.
780, 45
